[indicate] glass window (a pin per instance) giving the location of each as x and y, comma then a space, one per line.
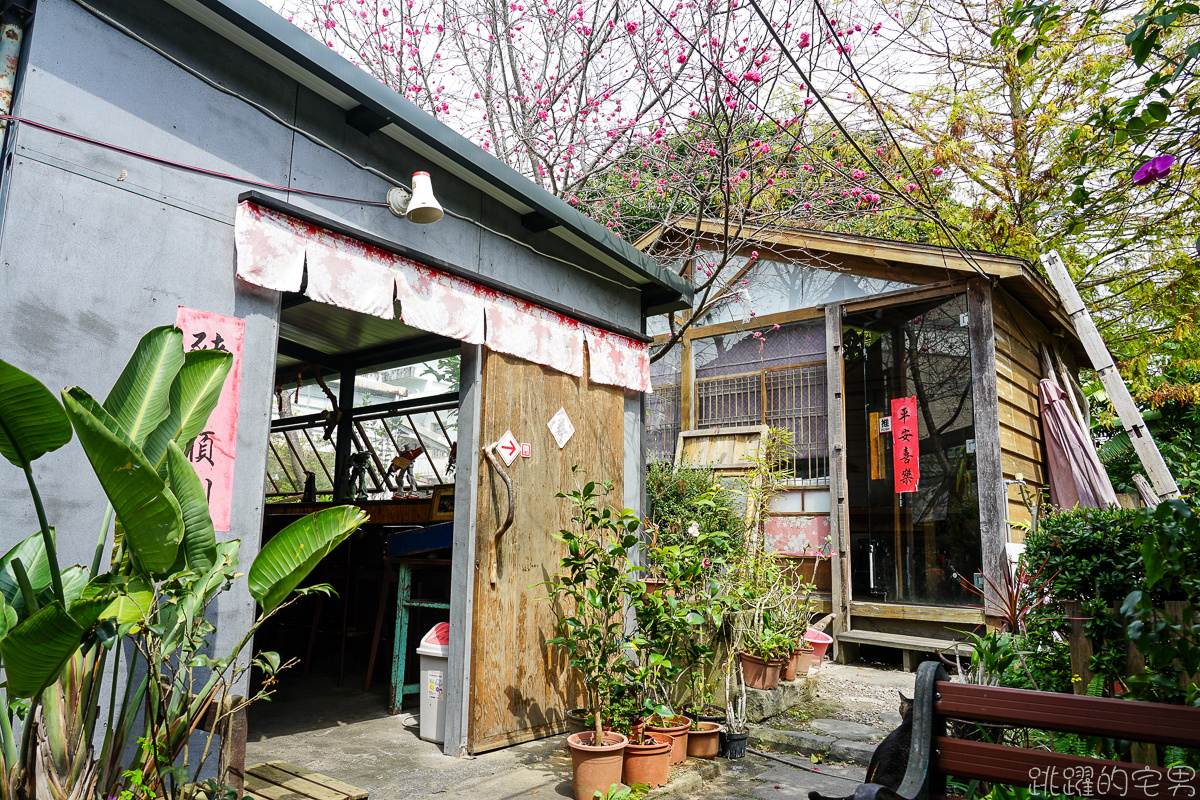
776, 378
912, 547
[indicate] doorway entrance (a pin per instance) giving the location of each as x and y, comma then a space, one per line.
911, 542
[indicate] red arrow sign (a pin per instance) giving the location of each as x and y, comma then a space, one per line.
508, 447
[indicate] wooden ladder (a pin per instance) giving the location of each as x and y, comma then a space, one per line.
1131, 418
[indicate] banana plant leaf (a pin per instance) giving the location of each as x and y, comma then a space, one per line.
35, 651
194, 395
128, 599
32, 552
140, 399
8, 619
149, 513
199, 550
291, 554
32, 423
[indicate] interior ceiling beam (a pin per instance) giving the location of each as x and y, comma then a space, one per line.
308, 354
392, 354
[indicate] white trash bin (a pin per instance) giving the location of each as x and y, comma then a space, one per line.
434, 651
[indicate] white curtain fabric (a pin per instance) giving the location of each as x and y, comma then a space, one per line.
273, 249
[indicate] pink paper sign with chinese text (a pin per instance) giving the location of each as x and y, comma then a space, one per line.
906, 453
213, 450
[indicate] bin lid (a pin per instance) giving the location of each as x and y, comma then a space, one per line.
436, 642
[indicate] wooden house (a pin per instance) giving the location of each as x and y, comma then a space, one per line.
908, 377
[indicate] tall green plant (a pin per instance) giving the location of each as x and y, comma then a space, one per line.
590, 590
1169, 641
62, 629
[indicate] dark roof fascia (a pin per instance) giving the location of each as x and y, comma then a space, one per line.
304, 52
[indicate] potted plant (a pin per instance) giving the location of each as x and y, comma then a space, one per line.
589, 594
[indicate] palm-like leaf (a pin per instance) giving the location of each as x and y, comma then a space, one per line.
32, 552
199, 549
149, 513
32, 423
35, 651
139, 401
292, 553
194, 395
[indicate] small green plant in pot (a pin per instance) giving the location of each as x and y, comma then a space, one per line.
589, 595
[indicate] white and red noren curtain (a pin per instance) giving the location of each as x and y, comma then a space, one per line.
273, 248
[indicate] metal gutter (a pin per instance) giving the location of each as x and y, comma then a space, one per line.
266, 34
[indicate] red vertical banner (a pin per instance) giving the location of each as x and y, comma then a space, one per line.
213, 450
906, 452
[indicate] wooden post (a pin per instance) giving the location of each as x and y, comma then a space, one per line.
839, 561
345, 433
989, 466
687, 386
1118, 392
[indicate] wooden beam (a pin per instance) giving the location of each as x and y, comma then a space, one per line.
962, 616
1118, 393
839, 524
460, 682
765, 321
989, 465
885, 299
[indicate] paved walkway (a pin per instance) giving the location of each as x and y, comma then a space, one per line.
347, 735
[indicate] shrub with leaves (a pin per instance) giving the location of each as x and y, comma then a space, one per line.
1169, 641
62, 629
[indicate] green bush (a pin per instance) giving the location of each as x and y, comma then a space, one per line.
1093, 557
677, 496
1092, 554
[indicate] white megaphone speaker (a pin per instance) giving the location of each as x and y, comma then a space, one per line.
420, 206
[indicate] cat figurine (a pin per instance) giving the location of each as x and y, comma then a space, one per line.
890, 760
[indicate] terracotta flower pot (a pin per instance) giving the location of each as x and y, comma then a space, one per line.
677, 729
654, 584
577, 722
596, 769
803, 661
705, 742
787, 670
648, 763
759, 673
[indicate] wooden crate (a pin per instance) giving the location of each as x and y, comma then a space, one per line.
279, 780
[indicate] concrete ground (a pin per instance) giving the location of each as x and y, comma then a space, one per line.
348, 735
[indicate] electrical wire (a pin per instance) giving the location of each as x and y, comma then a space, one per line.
116, 25
933, 217
845, 53
186, 167
963, 253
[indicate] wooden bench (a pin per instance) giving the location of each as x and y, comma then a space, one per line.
933, 755
913, 647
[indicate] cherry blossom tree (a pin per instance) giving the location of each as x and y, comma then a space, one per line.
692, 114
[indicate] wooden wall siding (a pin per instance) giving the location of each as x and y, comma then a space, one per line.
521, 686
1018, 370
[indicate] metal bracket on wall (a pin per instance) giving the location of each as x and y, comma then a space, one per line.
489, 452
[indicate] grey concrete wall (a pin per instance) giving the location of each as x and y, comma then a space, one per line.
96, 247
